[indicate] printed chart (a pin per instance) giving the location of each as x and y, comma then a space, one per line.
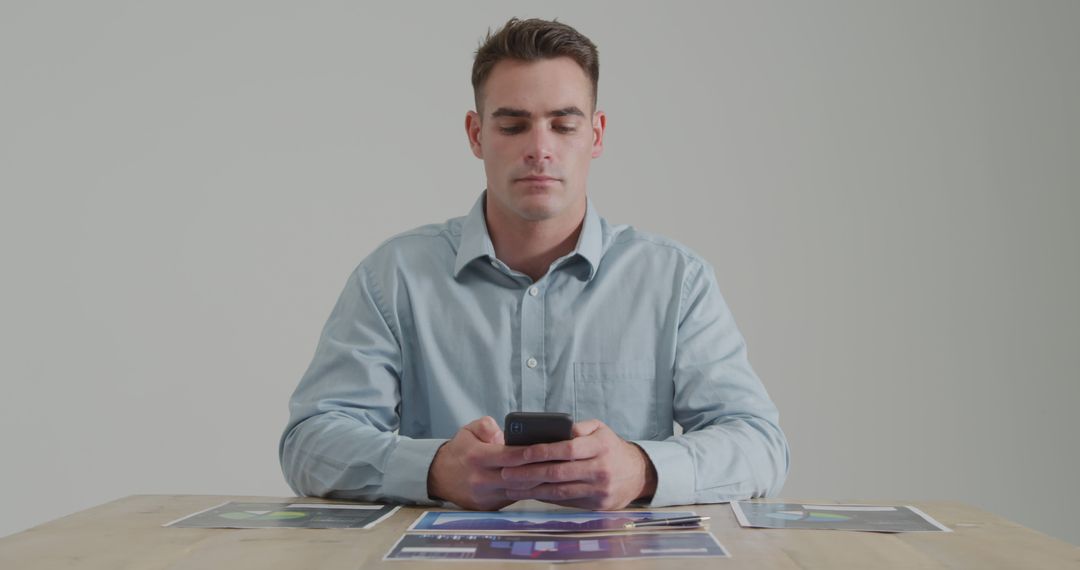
541, 521
287, 515
555, 548
876, 518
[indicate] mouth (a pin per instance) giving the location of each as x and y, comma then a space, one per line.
537, 179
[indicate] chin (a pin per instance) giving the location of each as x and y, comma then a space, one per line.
535, 214
536, 208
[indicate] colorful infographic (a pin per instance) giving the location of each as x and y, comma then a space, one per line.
555, 548
541, 521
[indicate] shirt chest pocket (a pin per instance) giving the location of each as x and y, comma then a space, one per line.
620, 394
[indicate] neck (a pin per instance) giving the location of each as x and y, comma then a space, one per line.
532, 246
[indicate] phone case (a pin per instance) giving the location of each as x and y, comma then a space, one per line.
528, 428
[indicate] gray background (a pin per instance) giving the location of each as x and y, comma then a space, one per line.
889, 192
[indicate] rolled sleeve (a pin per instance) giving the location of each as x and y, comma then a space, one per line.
409, 464
674, 473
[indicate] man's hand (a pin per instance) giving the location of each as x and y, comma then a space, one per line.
595, 470
467, 470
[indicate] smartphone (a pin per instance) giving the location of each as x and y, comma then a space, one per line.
527, 428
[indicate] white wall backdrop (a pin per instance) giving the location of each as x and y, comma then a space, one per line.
889, 191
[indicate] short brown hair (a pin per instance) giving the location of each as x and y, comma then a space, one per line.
530, 40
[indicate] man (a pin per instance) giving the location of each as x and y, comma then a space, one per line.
533, 302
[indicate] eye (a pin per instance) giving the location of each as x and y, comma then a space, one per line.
565, 128
511, 130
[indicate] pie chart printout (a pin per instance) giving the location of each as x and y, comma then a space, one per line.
287, 515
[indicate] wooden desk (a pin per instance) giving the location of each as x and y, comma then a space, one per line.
127, 533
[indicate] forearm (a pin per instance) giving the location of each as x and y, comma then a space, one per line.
334, 454
739, 458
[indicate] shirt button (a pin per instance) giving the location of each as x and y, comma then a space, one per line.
533, 291
531, 363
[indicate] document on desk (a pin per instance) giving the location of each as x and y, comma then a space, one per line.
874, 518
543, 521
287, 515
556, 548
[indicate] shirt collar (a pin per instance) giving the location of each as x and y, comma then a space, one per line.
476, 241
590, 245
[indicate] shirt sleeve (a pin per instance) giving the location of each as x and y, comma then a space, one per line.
341, 440
731, 447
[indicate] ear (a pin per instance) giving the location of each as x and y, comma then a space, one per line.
472, 130
599, 124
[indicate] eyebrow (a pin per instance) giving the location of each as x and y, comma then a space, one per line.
511, 112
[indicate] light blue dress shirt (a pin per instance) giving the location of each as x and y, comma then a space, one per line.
432, 332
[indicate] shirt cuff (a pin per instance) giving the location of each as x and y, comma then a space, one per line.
674, 473
406, 473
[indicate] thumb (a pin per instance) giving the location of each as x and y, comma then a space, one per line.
486, 430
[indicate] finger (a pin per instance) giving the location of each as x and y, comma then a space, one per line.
553, 472
497, 456
570, 450
586, 427
504, 484
588, 503
483, 490
552, 492
488, 481
485, 429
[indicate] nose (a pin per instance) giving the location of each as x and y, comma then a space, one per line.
539, 146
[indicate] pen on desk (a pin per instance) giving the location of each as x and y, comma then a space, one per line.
674, 521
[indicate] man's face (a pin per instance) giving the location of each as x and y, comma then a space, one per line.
537, 136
